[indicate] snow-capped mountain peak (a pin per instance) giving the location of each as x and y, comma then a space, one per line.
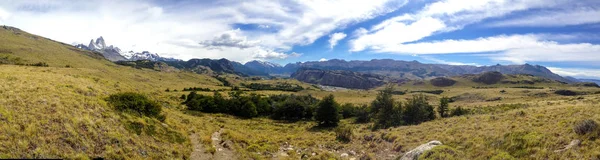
268, 64
115, 54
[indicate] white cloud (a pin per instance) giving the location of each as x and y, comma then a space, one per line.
576, 72
3, 15
334, 38
514, 48
440, 61
265, 54
396, 32
438, 17
554, 18
169, 27
229, 39
322, 60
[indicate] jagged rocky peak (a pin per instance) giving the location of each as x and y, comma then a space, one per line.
100, 42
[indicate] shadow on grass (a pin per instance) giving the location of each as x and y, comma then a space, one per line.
318, 128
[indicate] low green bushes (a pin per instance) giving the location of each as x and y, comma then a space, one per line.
135, 103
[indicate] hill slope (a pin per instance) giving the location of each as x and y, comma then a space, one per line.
61, 112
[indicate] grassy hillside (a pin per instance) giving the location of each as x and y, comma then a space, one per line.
63, 112
59, 111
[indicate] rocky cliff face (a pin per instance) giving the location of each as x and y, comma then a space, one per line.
338, 78
99, 45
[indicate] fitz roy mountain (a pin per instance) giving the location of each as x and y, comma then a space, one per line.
109, 52
115, 54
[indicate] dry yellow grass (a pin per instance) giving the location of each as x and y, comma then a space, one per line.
57, 112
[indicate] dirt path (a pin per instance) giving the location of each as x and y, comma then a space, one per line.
223, 147
199, 152
224, 150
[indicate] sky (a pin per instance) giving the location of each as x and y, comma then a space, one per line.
563, 35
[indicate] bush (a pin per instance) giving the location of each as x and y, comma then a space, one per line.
443, 108
348, 110
327, 112
387, 112
442, 152
135, 103
362, 114
39, 64
344, 133
459, 111
565, 92
418, 110
291, 110
585, 127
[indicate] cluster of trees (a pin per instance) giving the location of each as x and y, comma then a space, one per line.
223, 80
197, 89
384, 111
277, 87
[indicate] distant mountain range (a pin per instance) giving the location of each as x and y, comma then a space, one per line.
388, 68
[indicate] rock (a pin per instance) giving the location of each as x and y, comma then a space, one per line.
344, 155
574, 143
415, 153
352, 153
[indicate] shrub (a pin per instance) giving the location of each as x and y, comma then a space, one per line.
459, 111
39, 64
417, 110
585, 127
348, 110
565, 92
248, 110
362, 114
387, 112
442, 152
135, 103
327, 112
291, 109
344, 133
443, 108
520, 144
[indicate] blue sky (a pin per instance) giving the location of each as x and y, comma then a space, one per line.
560, 34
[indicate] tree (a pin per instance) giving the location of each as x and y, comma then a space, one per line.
290, 109
385, 109
327, 112
248, 110
417, 110
443, 108
348, 110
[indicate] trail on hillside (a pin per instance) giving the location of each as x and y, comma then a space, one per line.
199, 152
224, 148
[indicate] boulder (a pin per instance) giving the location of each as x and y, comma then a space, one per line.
415, 153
